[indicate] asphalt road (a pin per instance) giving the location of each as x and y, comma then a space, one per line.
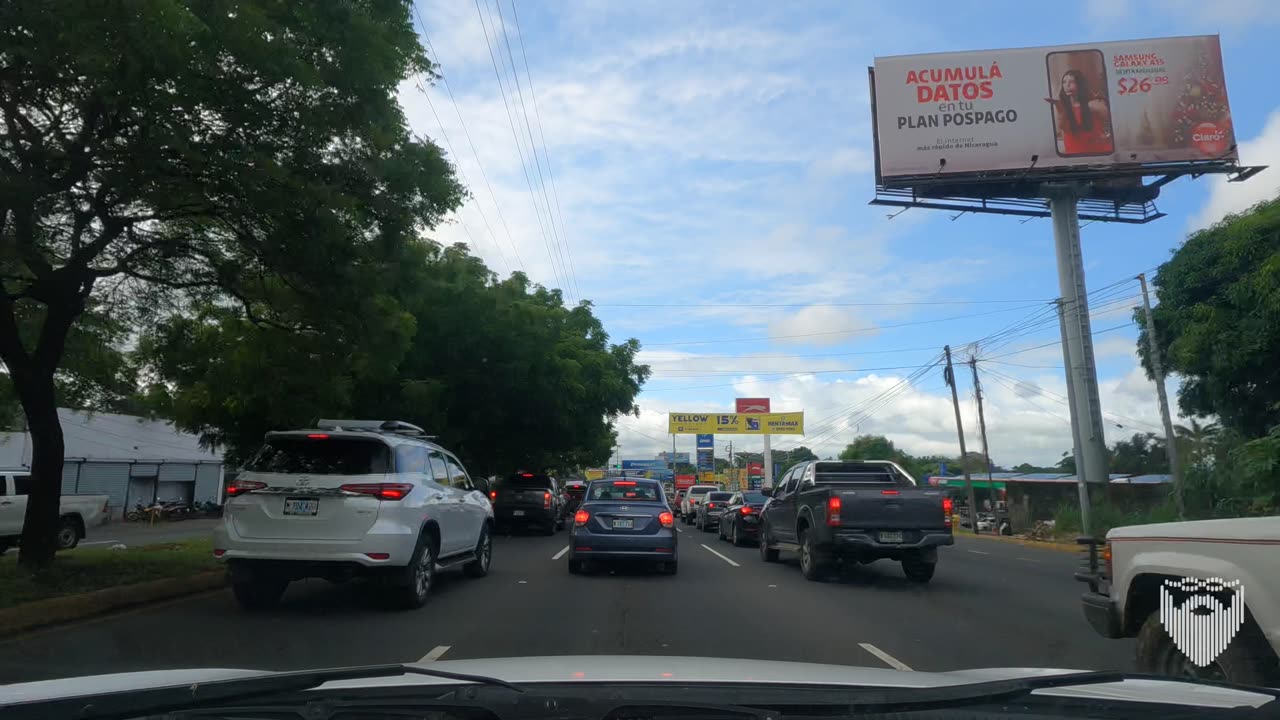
991, 604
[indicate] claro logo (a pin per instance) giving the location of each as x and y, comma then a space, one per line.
1209, 138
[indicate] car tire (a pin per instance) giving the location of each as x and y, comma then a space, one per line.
671, 567
918, 571
706, 525
415, 587
1247, 660
259, 593
720, 531
734, 538
813, 563
767, 553
68, 533
479, 567
577, 567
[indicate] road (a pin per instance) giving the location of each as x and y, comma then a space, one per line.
131, 534
991, 604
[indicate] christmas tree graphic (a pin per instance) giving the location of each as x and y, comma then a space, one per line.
1201, 99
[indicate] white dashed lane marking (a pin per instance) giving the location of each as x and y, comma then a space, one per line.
560, 554
713, 552
889, 660
435, 653
979, 552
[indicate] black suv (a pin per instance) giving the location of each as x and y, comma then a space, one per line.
526, 499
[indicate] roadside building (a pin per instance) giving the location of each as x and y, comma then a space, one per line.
129, 459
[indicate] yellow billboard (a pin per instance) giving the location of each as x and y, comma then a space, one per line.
790, 423
595, 474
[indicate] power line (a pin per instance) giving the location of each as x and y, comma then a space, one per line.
805, 305
493, 58
444, 80
1055, 342
1064, 400
562, 239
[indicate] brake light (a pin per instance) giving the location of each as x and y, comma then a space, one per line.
833, 511
581, 517
240, 487
623, 483
711, 505
493, 495
382, 491
947, 507
889, 492
746, 510
219, 552
667, 519
546, 500
317, 436
526, 474
1106, 558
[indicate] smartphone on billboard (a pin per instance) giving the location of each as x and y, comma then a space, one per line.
1081, 103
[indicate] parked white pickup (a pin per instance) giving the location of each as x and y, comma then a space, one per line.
1125, 590
77, 512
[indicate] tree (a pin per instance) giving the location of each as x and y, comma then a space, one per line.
177, 152
1216, 321
1196, 441
1141, 454
871, 447
1067, 464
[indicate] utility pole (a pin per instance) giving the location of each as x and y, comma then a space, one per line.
1157, 369
986, 453
950, 377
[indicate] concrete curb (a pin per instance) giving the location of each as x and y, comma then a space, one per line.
53, 611
1060, 547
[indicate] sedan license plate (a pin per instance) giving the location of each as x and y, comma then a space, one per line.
301, 506
628, 524
517, 513
891, 537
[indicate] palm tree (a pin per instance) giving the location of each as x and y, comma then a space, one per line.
1196, 441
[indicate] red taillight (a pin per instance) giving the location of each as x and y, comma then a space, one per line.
746, 510
493, 495
890, 492
624, 483
833, 511
317, 436
710, 505
1106, 557
382, 491
546, 500
219, 552
947, 506
581, 517
526, 474
378, 556
240, 487
667, 519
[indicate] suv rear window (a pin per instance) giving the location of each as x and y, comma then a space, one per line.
322, 456
529, 480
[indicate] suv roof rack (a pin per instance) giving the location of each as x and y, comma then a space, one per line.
397, 427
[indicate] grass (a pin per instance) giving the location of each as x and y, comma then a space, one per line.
1104, 516
87, 569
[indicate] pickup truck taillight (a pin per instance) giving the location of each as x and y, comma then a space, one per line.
947, 507
382, 491
1106, 559
833, 511
546, 500
240, 487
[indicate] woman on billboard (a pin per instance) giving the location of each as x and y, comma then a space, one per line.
1081, 116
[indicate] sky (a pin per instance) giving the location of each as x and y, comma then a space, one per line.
701, 173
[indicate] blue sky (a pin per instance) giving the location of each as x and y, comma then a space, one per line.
712, 164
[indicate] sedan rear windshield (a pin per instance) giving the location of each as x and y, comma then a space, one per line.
626, 490
718, 496
753, 498
322, 456
703, 490
528, 480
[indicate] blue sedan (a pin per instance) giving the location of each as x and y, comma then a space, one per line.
622, 519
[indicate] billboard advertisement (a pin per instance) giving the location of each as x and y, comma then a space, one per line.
680, 458
595, 474
706, 441
706, 459
1052, 108
751, 405
685, 481
736, 423
644, 464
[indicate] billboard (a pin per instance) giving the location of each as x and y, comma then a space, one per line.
595, 474
751, 405
706, 441
680, 458
685, 481
1052, 108
736, 423
644, 464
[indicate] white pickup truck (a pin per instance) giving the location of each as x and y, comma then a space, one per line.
77, 512
1133, 573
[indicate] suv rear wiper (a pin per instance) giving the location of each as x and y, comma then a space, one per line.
133, 703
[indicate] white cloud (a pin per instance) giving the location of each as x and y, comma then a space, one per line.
820, 325
1227, 197
843, 162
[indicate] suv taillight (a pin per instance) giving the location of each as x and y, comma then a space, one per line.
546, 500
833, 511
382, 491
240, 487
493, 495
947, 507
581, 517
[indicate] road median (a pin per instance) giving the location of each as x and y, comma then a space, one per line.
1026, 542
87, 582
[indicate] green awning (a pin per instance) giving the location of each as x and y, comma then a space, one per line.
959, 483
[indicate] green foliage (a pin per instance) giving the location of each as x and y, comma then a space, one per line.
1105, 515
1218, 321
1141, 454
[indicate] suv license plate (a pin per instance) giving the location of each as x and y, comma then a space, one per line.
627, 524
517, 513
301, 506
891, 537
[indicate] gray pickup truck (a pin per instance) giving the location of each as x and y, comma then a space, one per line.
835, 511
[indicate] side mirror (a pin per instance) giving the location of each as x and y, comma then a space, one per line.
482, 484
767, 492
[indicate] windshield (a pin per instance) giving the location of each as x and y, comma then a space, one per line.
328, 456
312, 314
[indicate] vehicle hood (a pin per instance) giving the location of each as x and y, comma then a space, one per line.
1257, 528
658, 669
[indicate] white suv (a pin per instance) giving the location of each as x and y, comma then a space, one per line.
352, 498
692, 498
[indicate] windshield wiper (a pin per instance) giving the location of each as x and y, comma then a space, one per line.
132, 703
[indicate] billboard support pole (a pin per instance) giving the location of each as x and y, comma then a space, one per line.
768, 462
1091, 463
1076, 446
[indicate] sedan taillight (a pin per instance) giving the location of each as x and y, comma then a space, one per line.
581, 517
667, 519
240, 487
746, 510
382, 491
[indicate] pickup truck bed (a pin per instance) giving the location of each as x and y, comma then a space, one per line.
76, 512
834, 512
